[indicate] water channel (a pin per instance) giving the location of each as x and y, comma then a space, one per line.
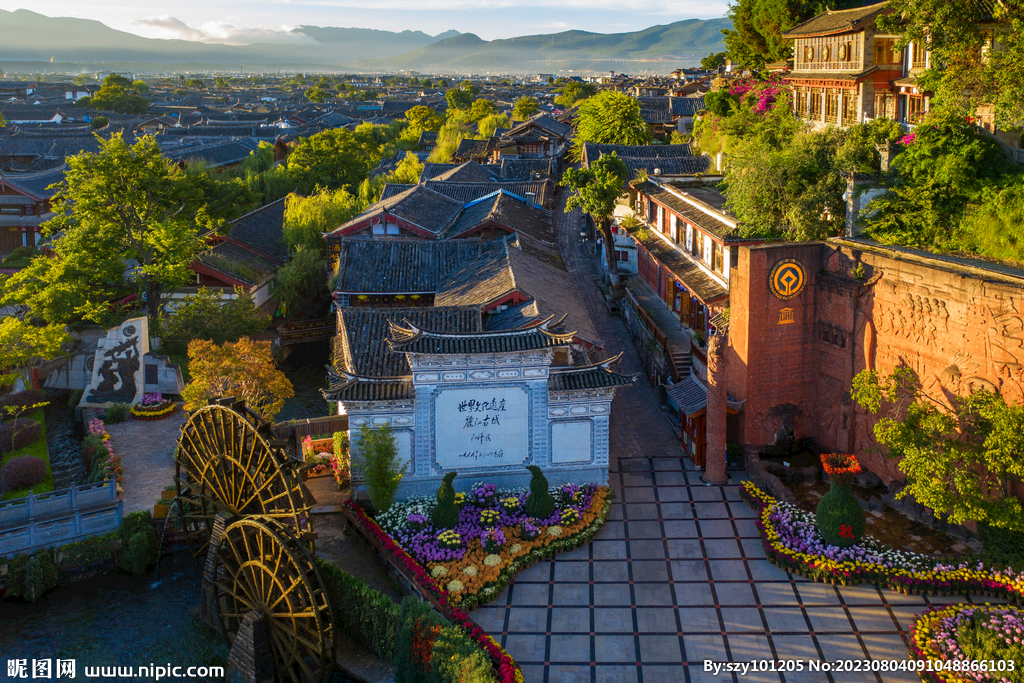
305, 368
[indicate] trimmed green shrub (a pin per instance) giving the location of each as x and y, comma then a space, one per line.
16, 575
540, 504
40, 576
21, 473
23, 399
446, 512
456, 658
19, 433
416, 622
88, 550
367, 616
116, 412
840, 517
94, 449
138, 543
380, 465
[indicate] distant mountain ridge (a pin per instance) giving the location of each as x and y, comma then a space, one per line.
683, 43
29, 36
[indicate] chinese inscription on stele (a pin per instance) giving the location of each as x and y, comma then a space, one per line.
477, 428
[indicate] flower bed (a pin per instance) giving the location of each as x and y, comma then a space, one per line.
791, 541
152, 407
494, 538
506, 667
988, 637
319, 453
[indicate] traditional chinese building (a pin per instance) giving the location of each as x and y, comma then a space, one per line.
484, 404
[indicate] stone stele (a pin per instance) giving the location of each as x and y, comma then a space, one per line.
117, 375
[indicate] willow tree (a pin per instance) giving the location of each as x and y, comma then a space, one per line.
594, 190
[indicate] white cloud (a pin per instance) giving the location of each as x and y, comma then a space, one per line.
166, 26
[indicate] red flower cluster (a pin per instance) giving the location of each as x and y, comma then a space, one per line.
840, 467
508, 670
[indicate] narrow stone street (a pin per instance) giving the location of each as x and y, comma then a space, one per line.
677, 575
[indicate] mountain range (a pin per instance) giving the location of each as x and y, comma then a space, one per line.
32, 37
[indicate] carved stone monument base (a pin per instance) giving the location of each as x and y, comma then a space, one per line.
117, 375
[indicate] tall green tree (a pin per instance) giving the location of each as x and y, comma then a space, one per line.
977, 53
136, 217
482, 108
594, 191
609, 117
525, 107
713, 61
458, 98
960, 458
574, 92
333, 159
22, 343
424, 118
306, 219
302, 279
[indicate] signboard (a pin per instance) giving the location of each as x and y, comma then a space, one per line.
481, 427
786, 279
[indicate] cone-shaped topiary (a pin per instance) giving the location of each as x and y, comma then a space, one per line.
840, 517
539, 504
446, 513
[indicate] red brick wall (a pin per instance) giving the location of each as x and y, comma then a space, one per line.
958, 328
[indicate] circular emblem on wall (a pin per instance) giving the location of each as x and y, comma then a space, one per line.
786, 279
129, 331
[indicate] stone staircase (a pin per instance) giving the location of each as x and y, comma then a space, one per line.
683, 362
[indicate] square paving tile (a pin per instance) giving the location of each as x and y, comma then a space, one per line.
526, 648
699, 620
538, 572
656, 620
817, 594
906, 614
660, 649
747, 528
672, 494
530, 594
752, 548
663, 674
645, 529
798, 648
694, 594
644, 478
685, 548
884, 645
570, 594
763, 570
620, 648
873, 619
570, 619
776, 594
863, 594
650, 570
534, 673
613, 674
613, 620
842, 646
670, 478
670, 464
739, 619
748, 647
675, 511
638, 495
608, 550
611, 530
704, 492
785, 620
652, 594
616, 512
715, 528
642, 511
612, 594
570, 673
689, 570
701, 647
570, 571
742, 511
491, 619
646, 550
566, 648
680, 528
728, 570
722, 548
734, 594
611, 570
527, 620
828, 619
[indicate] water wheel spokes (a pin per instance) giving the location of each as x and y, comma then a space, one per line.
261, 566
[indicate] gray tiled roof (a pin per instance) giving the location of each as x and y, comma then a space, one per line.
525, 169
400, 266
673, 166
410, 338
226, 257
696, 280
593, 151
469, 149
688, 394
836, 21
35, 184
468, 172
479, 282
513, 317
692, 214
596, 376
263, 231
536, 191
508, 211
419, 205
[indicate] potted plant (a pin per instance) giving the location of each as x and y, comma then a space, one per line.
152, 407
840, 517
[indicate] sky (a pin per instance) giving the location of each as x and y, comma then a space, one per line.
265, 21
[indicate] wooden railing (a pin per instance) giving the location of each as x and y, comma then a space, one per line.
310, 330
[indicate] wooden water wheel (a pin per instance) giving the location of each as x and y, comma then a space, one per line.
228, 461
262, 574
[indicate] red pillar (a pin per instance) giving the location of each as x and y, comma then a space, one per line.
714, 467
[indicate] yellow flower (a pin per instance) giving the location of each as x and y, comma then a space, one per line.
555, 531
454, 586
439, 571
492, 560
469, 571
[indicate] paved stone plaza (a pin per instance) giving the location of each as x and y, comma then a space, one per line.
146, 449
678, 575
